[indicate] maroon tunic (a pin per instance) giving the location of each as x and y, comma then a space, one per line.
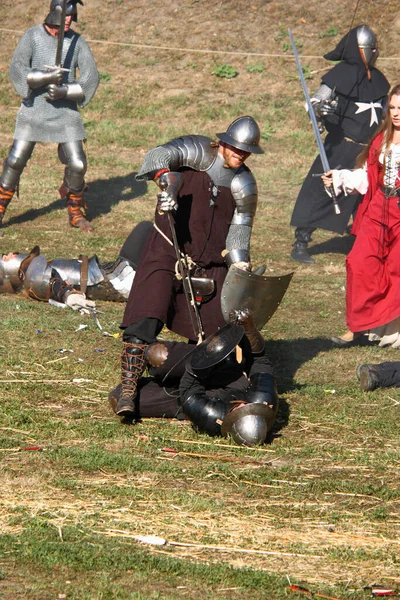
202, 222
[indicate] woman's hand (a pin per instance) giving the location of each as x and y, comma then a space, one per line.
327, 178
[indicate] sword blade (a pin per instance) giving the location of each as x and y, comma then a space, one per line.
61, 32
317, 135
193, 310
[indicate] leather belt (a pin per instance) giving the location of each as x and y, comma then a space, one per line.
354, 142
390, 192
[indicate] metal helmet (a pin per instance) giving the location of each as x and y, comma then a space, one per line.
368, 44
10, 280
249, 424
54, 16
243, 133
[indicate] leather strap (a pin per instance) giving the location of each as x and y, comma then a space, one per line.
84, 263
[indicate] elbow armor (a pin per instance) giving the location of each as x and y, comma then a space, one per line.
206, 414
244, 191
193, 151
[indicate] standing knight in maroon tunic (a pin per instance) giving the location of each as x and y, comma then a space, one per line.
210, 197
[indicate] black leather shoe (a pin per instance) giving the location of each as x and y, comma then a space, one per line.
300, 253
360, 340
338, 341
368, 377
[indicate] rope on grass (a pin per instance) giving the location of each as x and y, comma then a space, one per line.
198, 50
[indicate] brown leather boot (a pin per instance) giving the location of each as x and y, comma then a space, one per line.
133, 363
77, 211
5, 199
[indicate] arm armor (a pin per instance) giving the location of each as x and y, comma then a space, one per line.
244, 191
324, 102
205, 413
89, 78
262, 390
37, 78
75, 92
38, 276
193, 151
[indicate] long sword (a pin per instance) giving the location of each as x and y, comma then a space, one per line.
317, 135
61, 32
186, 281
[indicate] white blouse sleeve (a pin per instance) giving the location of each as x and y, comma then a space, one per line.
350, 182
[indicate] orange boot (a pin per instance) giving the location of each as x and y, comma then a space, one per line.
5, 199
77, 211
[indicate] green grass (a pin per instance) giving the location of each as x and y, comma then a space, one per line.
318, 504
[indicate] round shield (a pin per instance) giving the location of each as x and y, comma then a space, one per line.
215, 348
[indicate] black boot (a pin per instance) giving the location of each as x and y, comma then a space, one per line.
368, 377
133, 363
299, 252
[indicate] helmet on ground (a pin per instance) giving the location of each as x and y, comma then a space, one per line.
249, 424
56, 6
368, 44
243, 133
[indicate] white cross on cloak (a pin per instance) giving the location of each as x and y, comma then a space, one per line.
363, 106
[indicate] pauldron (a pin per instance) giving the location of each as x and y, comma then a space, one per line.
193, 151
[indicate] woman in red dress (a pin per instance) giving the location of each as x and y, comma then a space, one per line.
373, 265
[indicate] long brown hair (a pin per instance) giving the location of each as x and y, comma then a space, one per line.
388, 131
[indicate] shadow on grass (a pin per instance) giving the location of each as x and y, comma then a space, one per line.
34, 213
288, 356
100, 197
336, 245
103, 194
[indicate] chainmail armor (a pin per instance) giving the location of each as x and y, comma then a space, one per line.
238, 237
323, 93
40, 120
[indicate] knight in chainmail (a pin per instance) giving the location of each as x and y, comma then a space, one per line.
349, 104
49, 109
208, 199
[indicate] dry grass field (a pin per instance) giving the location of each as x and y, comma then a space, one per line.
320, 505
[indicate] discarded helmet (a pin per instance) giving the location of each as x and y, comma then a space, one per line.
243, 133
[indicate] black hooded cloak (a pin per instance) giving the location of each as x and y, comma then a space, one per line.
360, 105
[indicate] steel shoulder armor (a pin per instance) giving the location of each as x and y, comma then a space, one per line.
193, 151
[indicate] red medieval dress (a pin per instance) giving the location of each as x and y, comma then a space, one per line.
202, 222
373, 265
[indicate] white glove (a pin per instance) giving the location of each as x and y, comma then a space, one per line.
80, 302
245, 266
166, 203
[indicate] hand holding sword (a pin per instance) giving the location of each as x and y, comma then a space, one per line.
56, 73
170, 185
